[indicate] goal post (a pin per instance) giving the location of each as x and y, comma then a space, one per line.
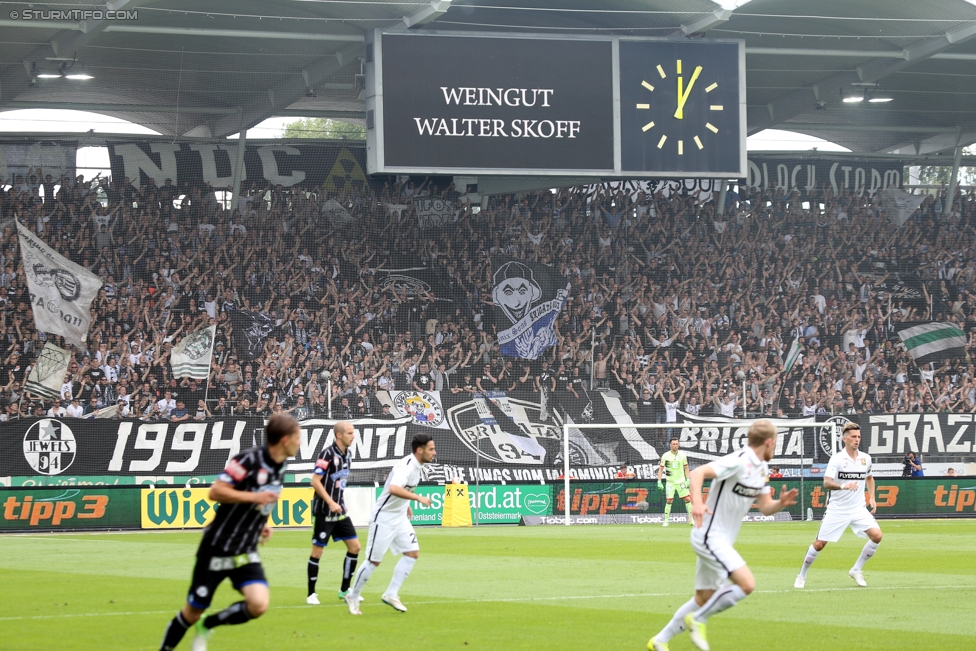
642, 444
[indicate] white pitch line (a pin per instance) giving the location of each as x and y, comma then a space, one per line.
631, 595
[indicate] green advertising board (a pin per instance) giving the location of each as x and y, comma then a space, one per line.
107, 480
895, 497
494, 504
49, 509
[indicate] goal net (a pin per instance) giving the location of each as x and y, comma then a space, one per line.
622, 485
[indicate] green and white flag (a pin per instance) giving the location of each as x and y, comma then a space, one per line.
191, 357
793, 355
930, 342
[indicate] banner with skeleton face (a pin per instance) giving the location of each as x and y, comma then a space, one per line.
527, 297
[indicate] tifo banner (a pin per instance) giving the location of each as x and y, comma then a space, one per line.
190, 508
47, 376
50, 448
484, 437
920, 433
411, 279
69, 508
332, 167
55, 158
838, 174
61, 291
433, 212
527, 298
776, 172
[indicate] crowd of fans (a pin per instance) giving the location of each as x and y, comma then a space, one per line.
683, 308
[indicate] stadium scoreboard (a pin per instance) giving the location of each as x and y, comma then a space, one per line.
543, 105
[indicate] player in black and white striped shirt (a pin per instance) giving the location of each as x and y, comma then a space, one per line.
329, 508
247, 490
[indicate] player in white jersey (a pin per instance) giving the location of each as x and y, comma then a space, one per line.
389, 525
722, 578
846, 477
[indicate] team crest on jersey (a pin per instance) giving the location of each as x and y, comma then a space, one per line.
422, 406
864, 462
262, 477
236, 470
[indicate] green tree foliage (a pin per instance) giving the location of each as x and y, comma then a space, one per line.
325, 129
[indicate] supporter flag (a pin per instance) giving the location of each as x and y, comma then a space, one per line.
251, 329
61, 291
930, 342
191, 357
795, 349
47, 376
899, 204
527, 297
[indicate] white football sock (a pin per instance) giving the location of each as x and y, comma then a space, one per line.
362, 576
723, 599
808, 561
866, 553
677, 623
400, 574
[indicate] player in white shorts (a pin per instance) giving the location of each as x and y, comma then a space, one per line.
847, 474
389, 525
722, 578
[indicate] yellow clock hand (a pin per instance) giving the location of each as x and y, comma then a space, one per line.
683, 93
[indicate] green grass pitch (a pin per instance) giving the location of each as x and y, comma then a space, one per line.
583, 587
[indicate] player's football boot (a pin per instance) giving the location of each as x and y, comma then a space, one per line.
654, 645
312, 599
696, 630
353, 604
343, 593
858, 578
799, 582
201, 635
394, 601
665, 523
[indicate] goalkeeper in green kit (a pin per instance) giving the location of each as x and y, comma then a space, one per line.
675, 464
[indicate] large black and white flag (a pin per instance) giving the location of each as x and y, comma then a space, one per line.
899, 204
527, 297
192, 356
61, 291
251, 329
47, 376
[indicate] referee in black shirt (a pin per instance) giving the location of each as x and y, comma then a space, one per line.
329, 508
247, 490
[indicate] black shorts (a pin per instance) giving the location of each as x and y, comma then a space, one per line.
209, 571
336, 529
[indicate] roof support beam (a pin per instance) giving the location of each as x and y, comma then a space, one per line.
286, 92
804, 100
120, 108
702, 25
236, 33
876, 70
947, 141
430, 13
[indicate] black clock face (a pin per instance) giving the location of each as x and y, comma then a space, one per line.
679, 107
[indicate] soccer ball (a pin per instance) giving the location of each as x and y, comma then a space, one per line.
643, 506
741, 375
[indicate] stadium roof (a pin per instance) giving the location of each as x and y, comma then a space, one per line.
208, 68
